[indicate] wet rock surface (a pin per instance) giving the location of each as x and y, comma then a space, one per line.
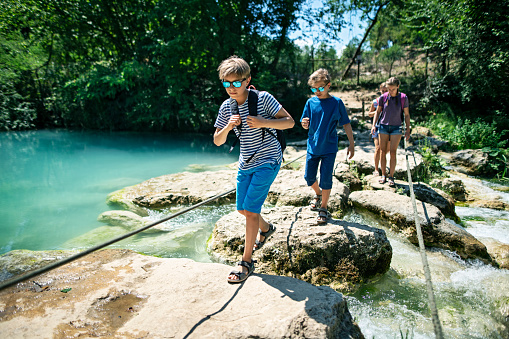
340, 254
121, 294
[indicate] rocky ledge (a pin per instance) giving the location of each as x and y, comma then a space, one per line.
121, 294
339, 254
398, 211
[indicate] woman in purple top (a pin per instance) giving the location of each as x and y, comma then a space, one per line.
390, 111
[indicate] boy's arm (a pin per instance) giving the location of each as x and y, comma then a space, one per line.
283, 120
221, 134
372, 110
375, 119
349, 134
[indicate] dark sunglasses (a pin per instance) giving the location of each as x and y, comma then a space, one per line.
235, 84
321, 89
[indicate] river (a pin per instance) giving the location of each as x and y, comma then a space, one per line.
53, 186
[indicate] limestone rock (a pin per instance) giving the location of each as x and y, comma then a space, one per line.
422, 191
493, 204
17, 262
363, 162
454, 187
290, 189
121, 294
470, 161
343, 173
421, 130
127, 219
184, 188
437, 232
498, 251
340, 253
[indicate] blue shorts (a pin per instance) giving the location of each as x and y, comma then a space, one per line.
326, 162
253, 186
390, 129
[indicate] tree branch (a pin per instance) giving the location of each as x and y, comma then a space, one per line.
357, 51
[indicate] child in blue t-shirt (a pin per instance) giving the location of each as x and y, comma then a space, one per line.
260, 154
321, 116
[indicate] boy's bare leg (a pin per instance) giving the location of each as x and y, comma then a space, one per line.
325, 198
383, 142
263, 226
252, 225
395, 139
316, 188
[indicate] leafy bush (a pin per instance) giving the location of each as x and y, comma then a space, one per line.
432, 165
15, 112
463, 134
498, 162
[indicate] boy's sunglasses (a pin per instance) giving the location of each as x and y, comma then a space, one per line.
321, 89
235, 84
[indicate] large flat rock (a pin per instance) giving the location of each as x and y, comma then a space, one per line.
340, 254
121, 294
398, 211
185, 188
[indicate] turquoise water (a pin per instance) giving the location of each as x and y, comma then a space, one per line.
53, 184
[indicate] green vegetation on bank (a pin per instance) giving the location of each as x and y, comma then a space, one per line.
151, 65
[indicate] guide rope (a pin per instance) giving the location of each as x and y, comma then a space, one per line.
76, 256
427, 273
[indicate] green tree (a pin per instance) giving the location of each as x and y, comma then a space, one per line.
391, 55
141, 64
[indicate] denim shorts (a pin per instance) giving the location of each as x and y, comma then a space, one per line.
253, 186
390, 129
326, 162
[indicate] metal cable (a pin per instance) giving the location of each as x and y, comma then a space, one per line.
427, 273
67, 260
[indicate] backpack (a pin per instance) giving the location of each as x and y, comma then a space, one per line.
385, 96
253, 110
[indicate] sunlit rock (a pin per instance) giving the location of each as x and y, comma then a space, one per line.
470, 161
121, 294
397, 210
340, 254
423, 192
453, 187
184, 188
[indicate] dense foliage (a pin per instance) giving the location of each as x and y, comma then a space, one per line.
137, 64
151, 64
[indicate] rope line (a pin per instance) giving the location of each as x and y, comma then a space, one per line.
427, 273
34, 273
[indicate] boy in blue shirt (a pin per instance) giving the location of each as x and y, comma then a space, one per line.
260, 154
321, 116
